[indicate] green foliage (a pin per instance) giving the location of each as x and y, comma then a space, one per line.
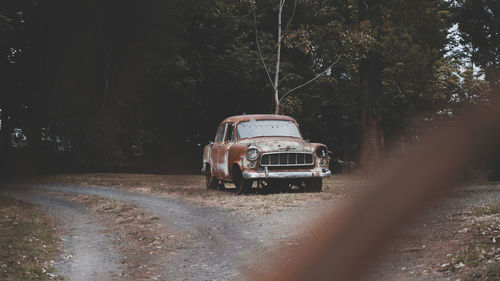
479, 25
407, 36
291, 106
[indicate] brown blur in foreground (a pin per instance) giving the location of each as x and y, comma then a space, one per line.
349, 237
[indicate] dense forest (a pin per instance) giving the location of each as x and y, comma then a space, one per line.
108, 85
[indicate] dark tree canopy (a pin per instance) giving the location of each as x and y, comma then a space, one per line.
142, 85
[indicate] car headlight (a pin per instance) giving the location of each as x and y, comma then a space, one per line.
252, 154
322, 151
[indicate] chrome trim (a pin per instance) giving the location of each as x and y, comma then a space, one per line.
315, 173
278, 152
287, 164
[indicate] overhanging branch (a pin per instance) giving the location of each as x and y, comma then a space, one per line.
258, 48
316, 77
291, 17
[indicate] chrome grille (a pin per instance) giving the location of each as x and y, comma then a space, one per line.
287, 159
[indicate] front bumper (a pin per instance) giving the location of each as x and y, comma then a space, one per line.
266, 174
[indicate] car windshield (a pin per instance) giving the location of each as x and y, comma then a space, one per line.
267, 128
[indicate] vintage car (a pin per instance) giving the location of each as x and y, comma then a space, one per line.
267, 149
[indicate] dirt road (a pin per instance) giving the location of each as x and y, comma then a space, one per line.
206, 243
190, 241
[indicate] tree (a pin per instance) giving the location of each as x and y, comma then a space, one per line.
276, 83
143, 85
391, 47
127, 82
21, 24
479, 26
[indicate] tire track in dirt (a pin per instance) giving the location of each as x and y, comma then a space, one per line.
87, 252
214, 244
212, 241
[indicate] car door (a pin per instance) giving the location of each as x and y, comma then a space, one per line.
223, 153
216, 150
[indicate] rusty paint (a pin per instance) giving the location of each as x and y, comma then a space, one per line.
241, 118
224, 156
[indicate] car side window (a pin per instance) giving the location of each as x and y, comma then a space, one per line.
229, 133
220, 133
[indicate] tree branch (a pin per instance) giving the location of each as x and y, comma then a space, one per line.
291, 17
316, 77
258, 48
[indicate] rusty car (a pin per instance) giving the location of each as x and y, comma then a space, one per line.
268, 150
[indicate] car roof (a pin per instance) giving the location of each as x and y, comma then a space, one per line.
241, 118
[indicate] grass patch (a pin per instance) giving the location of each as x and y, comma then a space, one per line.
473, 254
479, 259
192, 188
482, 249
488, 210
492, 272
27, 243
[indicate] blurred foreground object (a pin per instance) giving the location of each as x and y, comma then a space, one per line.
348, 237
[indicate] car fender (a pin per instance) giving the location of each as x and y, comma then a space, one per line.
235, 157
206, 157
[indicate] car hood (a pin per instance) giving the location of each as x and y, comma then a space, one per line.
281, 144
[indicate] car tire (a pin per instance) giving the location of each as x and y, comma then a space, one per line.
210, 181
314, 185
244, 186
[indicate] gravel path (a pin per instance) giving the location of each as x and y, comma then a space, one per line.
216, 245
220, 245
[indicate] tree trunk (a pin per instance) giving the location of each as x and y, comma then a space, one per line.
278, 57
276, 103
372, 144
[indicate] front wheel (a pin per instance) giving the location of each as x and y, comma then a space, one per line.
210, 181
314, 185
